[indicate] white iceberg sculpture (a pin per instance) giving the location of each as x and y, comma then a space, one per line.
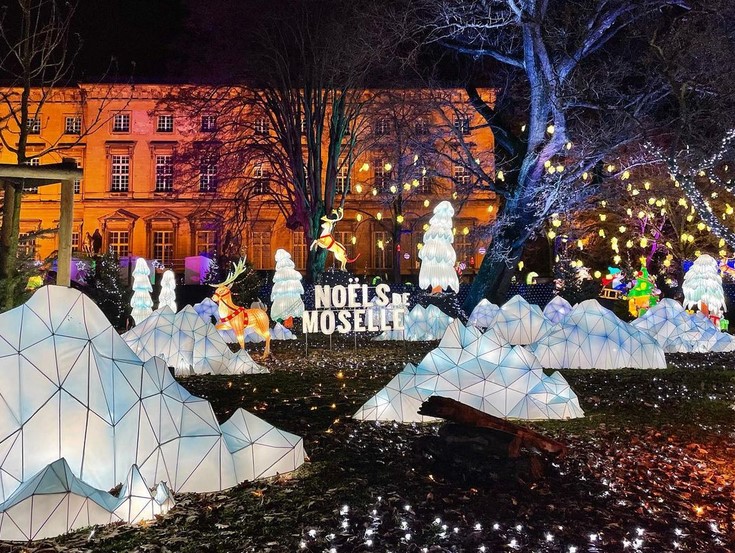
188, 343
557, 309
677, 331
420, 324
280, 332
483, 314
519, 322
54, 502
71, 388
480, 370
592, 337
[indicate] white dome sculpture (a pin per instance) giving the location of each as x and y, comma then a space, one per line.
677, 331
186, 342
592, 337
483, 314
557, 309
519, 322
437, 254
64, 368
480, 370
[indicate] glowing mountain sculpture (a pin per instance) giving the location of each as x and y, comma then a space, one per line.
483, 314
54, 501
557, 309
480, 370
186, 342
592, 337
71, 388
519, 322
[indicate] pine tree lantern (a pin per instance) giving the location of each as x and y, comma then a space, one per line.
168, 291
286, 296
141, 302
437, 254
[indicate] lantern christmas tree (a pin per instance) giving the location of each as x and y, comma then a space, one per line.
641, 297
703, 287
287, 289
141, 302
437, 255
168, 291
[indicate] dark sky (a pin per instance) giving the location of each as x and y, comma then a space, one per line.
140, 32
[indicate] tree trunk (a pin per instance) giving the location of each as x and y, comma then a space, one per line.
397, 253
9, 238
316, 259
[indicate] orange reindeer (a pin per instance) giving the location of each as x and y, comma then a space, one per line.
327, 241
236, 318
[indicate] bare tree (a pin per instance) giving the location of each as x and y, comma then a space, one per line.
38, 61
560, 113
294, 119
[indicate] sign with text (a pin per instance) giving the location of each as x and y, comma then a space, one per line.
346, 309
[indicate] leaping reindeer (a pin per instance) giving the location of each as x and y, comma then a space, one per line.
327, 241
238, 318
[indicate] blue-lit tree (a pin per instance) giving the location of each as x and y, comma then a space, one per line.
563, 107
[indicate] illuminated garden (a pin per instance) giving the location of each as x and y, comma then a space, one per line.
402, 276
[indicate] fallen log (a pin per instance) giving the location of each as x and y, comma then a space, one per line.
452, 410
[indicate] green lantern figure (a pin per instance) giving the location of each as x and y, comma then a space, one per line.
642, 296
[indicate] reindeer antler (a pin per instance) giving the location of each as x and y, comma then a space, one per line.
338, 213
238, 269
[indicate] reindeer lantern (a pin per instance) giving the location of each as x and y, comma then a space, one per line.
236, 318
327, 241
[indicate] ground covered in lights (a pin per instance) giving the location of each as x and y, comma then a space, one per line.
651, 468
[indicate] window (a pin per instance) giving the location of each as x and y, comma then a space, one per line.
164, 173
260, 251
35, 162
120, 173
34, 125
260, 179
344, 237
299, 249
382, 126
421, 126
165, 123
208, 175
424, 186
27, 244
382, 256
72, 124
78, 182
118, 242
121, 122
206, 243
342, 178
209, 123
462, 244
462, 125
461, 175
262, 125
383, 174
75, 241
163, 246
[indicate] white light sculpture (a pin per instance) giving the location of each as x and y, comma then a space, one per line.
677, 331
703, 286
557, 309
480, 370
519, 322
287, 289
483, 314
280, 332
141, 301
71, 388
188, 343
167, 297
592, 337
54, 502
437, 254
